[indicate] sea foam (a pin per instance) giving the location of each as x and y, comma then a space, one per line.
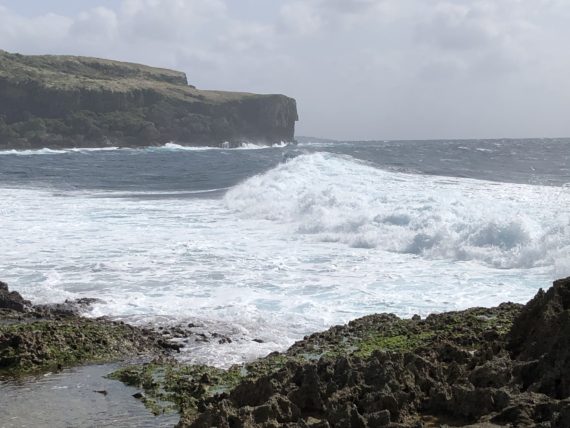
338, 199
318, 240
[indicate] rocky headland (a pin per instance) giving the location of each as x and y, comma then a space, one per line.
507, 366
68, 101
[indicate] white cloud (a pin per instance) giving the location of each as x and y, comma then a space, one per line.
170, 20
475, 38
96, 25
359, 68
458, 27
300, 17
21, 33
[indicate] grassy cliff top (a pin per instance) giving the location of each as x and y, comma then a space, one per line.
71, 73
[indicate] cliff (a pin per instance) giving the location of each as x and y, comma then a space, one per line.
67, 101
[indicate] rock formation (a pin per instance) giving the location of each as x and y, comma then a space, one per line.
35, 338
66, 101
483, 367
503, 366
12, 300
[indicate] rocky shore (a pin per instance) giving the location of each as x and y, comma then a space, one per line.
37, 338
482, 367
503, 366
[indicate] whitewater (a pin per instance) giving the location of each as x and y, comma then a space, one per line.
268, 245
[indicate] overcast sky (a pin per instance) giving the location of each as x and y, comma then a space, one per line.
359, 69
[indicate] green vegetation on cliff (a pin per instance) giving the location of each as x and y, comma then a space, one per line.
65, 101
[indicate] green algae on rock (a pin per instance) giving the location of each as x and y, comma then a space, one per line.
41, 338
482, 367
195, 390
49, 344
68, 101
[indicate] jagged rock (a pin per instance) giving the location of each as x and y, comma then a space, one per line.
69, 308
494, 373
540, 337
54, 336
479, 368
12, 300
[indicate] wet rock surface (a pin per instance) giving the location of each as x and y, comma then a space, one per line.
482, 367
48, 337
540, 342
503, 366
12, 300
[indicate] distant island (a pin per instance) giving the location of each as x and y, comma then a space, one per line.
70, 101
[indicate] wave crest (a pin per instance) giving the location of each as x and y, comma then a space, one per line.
338, 199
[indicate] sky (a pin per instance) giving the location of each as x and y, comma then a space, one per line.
359, 69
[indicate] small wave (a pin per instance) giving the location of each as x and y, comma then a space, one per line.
166, 147
44, 151
151, 195
339, 199
48, 151
252, 146
179, 147
242, 146
94, 149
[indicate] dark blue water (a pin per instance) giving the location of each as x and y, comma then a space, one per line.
530, 161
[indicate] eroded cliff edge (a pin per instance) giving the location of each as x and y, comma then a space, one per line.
67, 101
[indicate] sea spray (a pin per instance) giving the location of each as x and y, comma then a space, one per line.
300, 242
338, 199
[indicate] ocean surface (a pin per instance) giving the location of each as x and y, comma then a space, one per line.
266, 245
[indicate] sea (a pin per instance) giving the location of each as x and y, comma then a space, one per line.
264, 245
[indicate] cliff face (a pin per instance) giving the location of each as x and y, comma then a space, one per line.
64, 101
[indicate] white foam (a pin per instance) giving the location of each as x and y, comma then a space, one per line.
226, 146
47, 151
93, 149
316, 241
44, 151
179, 147
166, 147
336, 199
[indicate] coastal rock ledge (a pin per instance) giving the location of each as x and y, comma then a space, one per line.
68, 101
39, 338
507, 366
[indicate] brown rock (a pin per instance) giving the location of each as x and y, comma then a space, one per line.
12, 300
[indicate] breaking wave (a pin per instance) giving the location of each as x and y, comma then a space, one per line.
242, 146
334, 198
166, 147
